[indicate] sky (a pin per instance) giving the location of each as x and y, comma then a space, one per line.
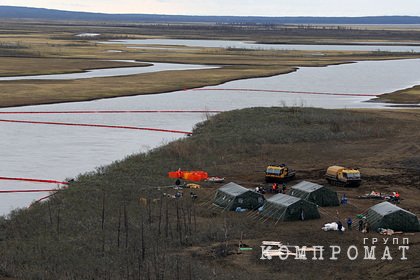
233, 7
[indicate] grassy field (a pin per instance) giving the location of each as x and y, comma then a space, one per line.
45, 66
43, 92
53, 48
118, 223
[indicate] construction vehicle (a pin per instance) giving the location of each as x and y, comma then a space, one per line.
342, 176
278, 173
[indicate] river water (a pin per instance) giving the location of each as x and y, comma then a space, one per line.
112, 72
60, 152
257, 46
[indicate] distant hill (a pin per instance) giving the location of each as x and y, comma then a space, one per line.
12, 12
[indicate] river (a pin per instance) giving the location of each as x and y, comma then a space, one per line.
60, 152
257, 46
112, 72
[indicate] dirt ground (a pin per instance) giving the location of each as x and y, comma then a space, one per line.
387, 165
387, 155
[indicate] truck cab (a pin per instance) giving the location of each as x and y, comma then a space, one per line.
348, 177
278, 173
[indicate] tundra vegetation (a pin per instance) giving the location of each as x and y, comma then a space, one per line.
118, 222
31, 48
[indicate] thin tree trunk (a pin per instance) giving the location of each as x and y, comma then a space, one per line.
149, 210
103, 212
166, 220
119, 227
58, 223
126, 226
160, 215
143, 244
195, 218
185, 223
49, 212
103, 224
178, 222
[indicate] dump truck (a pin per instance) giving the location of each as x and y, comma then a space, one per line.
278, 173
342, 176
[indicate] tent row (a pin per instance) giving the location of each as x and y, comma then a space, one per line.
281, 207
303, 203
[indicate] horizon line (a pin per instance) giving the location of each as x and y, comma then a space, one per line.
209, 15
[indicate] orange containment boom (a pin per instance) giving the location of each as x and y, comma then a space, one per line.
189, 175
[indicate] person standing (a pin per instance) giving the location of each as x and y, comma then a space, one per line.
366, 227
340, 226
344, 199
274, 188
349, 223
397, 197
361, 224
302, 215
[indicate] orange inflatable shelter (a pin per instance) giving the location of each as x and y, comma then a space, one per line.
188, 175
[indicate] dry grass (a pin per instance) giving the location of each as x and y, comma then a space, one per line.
405, 96
36, 66
54, 49
15, 93
64, 238
59, 58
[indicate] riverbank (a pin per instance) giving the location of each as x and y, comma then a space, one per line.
409, 96
116, 222
14, 93
55, 49
49, 66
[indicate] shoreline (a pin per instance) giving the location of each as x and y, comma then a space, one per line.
407, 97
117, 189
205, 84
153, 92
382, 44
123, 64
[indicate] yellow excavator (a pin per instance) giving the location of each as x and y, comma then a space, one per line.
342, 176
278, 173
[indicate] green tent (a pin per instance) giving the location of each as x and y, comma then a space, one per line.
389, 216
315, 193
232, 196
283, 207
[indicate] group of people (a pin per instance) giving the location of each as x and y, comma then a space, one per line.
395, 197
275, 188
363, 225
340, 226
260, 190
180, 194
